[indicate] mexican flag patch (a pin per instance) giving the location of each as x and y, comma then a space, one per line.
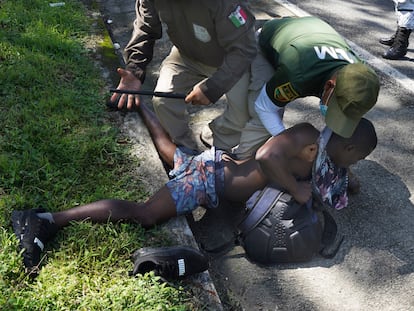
238, 17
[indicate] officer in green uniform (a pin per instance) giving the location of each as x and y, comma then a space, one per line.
299, 57
213, 47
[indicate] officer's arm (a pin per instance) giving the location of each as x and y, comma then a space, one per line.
269, 114
147, 29
239, 44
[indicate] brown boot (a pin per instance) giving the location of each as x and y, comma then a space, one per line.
399, 47
354, 186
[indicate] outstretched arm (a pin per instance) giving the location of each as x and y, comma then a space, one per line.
162, 141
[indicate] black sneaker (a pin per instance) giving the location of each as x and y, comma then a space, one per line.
174, 262
32, 232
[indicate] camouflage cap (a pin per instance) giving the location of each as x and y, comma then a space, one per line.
355, 93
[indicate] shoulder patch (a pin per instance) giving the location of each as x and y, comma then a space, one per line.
238, 17
285, 93
201, 33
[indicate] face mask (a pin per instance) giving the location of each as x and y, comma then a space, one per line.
323, 108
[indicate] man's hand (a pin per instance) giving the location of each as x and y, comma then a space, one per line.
197, 97
303, 192
128, 82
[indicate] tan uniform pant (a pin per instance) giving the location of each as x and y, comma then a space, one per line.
254, 134
179, 74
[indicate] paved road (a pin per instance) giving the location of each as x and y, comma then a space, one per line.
362, 24
374, 267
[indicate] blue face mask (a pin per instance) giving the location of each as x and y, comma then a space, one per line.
323, 108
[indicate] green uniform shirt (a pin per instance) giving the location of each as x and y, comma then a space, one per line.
305, 52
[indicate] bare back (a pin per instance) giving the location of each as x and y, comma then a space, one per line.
281, 160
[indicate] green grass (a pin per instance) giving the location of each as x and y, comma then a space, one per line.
58, 149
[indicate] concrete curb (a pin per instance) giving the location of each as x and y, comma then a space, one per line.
118, 18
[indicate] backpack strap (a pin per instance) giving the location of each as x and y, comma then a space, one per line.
331, 238
259, 205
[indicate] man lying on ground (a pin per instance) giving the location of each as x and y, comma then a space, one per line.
204, 178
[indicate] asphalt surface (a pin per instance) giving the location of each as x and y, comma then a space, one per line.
374, 267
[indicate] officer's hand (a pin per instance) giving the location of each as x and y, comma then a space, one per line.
303, 192
128, 82
197, 97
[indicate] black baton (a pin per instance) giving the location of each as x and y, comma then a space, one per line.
157, 94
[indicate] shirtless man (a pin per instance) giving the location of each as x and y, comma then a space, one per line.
202, 179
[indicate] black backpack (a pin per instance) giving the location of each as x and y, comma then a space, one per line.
276, 229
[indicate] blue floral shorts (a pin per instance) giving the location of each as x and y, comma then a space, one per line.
194, 179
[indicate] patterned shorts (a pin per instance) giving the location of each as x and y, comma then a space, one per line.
194, 179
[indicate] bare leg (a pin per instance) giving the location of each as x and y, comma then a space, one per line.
159, 208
